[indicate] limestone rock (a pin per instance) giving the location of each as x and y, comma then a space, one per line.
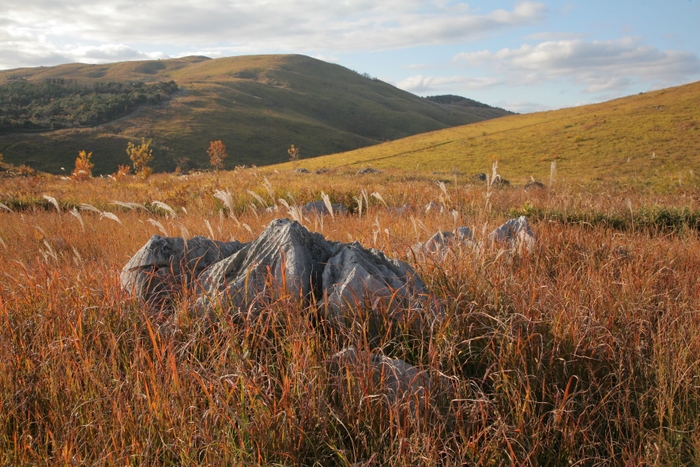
319, 207
445, 241
514, 234
399, 383
364, 283
285, 258
164, 265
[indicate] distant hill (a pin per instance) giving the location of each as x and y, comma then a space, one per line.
647, 138
450, 99
257, 105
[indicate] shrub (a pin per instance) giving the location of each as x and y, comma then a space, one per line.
83, 166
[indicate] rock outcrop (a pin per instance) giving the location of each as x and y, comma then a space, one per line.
163, 266
285, 259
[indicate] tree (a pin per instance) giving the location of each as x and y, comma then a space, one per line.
141, 156
83, 166
217, 154
293, 152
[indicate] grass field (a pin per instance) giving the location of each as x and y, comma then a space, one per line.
581, 352
649, 140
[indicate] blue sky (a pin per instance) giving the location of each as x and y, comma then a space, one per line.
521, 55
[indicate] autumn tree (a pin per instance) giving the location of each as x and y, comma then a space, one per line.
141, 156
83, 166
217, 154
293, 152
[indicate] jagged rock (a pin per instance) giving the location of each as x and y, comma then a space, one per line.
164, 265
285, 258
319, 207
445, 241
361, 283
367, 170
515, 234
401, 384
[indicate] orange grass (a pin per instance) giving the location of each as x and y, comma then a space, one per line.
584, 352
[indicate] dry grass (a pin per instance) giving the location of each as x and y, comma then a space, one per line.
584, 352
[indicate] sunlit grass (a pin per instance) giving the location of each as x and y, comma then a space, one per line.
582, 352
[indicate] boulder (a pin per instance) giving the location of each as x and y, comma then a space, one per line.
360, 284
285, 259
163, 266
515, 234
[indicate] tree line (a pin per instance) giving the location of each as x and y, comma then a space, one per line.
57, 103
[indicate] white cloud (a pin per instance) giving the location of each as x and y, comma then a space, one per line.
312, 26
420, 84
600, 66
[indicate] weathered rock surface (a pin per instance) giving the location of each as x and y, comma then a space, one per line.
285, 258
398, 382
367, 170
445, 241
515, 234
164, 265
319, 207
357, 280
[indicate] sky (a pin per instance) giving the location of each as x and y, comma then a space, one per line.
524, 56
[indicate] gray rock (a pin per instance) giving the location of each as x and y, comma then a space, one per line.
367, 170
285, 259
319, 207
515, 234
363, 284
399, 383
445, 241
301, 170
534, 185
163, 266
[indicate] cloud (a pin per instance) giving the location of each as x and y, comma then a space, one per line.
423, 84
600, 66
311, 26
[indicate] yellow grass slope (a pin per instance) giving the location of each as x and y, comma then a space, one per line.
649, 137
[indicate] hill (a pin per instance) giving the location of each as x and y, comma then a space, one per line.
257, 105
647, 137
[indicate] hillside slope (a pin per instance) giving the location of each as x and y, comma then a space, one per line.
649, 137
257, 105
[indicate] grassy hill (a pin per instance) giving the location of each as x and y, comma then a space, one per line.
651, 137
257, 105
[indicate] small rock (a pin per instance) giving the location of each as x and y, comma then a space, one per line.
445, 241
401, 384
367, 170
301, 170
319, 207
534, 185
515, 234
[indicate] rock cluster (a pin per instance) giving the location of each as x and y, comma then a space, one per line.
345, 281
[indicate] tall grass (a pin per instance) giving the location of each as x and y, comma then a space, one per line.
582, 352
